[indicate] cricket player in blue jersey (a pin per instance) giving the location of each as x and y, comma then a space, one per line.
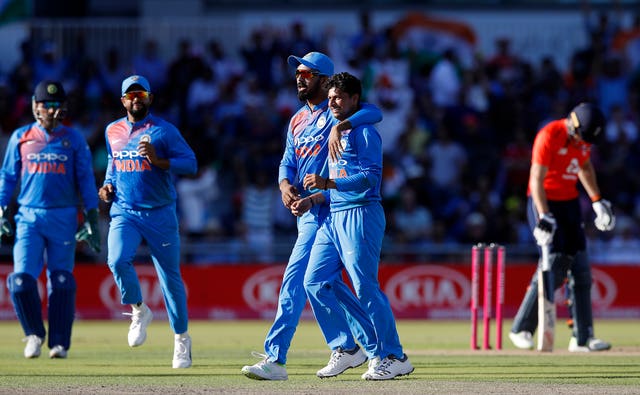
143, 150
53, 165
306, 152
351, 236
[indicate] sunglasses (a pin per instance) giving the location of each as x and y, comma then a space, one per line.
136, 94
51, 104
306, 74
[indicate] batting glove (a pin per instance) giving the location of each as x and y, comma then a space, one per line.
605, 219
90, 231
5, 225
545, 229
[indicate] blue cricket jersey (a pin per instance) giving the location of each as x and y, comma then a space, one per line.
54, 169
358, 172
307, 137
138, 184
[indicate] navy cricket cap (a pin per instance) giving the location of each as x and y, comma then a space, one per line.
49, 91
314, 60
133, 80
589, 121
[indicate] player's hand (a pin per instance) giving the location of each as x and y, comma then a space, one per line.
299, 207
605, 219
314, 181
335, 147
289, 195
106, 193
545, 229
90, 232
5, 225
145, 148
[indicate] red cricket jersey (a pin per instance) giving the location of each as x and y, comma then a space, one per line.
564, 159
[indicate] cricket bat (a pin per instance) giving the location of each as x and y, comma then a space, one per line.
546, 304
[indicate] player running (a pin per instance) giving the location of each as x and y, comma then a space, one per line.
143, 151
561, 158
53, 165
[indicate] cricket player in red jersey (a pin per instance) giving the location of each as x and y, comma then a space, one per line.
561, 158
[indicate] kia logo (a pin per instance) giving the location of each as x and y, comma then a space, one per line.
433, 286
261, 290
149, 285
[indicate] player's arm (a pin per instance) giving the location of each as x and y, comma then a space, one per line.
536, 186
181, 158
367, 114
605, 219
587, 176
85, 178
11, 169
287, 171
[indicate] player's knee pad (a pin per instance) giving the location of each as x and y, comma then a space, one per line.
62, 307
62, 281
21, 283
23, 289
560, 264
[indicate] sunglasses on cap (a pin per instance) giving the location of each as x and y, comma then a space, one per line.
136, 94
51, 104
306, 74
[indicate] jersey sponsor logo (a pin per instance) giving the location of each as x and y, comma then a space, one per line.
308, 139
429, 286
130, 161
46, 156
46, 163
304, 150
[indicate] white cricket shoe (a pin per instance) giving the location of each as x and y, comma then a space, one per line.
265, 369
58, 352
140, 319
593, 344
182, 351
342, 360
522, 340
389, 368
373, 364
34, 344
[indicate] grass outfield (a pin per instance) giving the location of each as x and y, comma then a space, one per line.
100, 362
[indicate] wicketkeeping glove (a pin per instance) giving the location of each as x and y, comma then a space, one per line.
605, 219
5, 225
90, 231
545, 229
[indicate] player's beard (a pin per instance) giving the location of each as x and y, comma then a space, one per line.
139, 111
311, 90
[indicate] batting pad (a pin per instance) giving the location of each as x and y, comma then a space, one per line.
62, 308
26, 302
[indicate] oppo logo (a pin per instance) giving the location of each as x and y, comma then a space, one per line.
432, 286
127, 154
47, 156
308, 139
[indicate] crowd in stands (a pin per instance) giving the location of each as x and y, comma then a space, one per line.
457, 137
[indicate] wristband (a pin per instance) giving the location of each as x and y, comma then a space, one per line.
595, 198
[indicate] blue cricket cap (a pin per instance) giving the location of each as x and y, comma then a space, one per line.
314, 60
135, 80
